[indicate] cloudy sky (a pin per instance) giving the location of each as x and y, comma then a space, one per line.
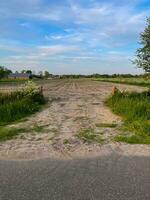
71, 36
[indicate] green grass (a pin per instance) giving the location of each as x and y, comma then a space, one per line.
18, 105
128, 81
12, 81
39, 129
81, 118
106, 125
135, 111
7, 133
66, 141
90, 136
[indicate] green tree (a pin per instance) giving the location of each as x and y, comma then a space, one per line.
143, 53
29, 71
26, 71
4, 72
46, 74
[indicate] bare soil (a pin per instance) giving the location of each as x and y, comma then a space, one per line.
73, 106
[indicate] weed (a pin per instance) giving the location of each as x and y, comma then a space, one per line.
81, 118
90, 136
38, 128
66, 141
17, 105
107, 125
135, 110
9, 133
54, 130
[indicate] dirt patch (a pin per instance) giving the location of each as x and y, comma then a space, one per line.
73, 106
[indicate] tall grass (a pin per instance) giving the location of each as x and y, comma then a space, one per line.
135, 110
19, 104
7, 133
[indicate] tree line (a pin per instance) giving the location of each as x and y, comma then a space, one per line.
4, 72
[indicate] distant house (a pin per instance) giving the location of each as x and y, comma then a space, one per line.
20, 76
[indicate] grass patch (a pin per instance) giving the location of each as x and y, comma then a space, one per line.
81, 118
106, 125
54, 130
66, 141
135, 110
90, 136
39, 129
9, 133
17, 105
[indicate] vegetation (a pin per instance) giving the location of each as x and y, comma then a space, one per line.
7, 133
135, 110
26, 71
76, 76
143, 53
106, 125
4, 72
16, 105
45, 75
66, 141
90, 136
140, 81
39, 128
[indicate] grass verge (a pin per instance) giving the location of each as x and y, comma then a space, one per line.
135, 110
17, 105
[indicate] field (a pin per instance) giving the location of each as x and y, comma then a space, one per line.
130, 81
74, 122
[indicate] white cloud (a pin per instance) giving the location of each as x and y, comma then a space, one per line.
56, 49
89, 15
25, 24
81, 32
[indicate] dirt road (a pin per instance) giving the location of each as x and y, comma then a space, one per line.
73, 106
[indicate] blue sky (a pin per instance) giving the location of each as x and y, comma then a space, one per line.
71, 36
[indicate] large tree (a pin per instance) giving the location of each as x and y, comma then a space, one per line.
143, 53
4, 72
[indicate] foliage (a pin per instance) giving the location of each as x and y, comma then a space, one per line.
90, 136
4, 72
46, 74
135, 110
19, 104
143, 53
26, 71
140, 81
106, 125
9, 132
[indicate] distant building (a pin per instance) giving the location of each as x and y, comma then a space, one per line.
20, 76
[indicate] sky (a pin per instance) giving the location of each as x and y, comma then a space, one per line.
71, 36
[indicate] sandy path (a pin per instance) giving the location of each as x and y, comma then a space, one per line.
73, 105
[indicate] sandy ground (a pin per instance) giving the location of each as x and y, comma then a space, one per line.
73, 106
